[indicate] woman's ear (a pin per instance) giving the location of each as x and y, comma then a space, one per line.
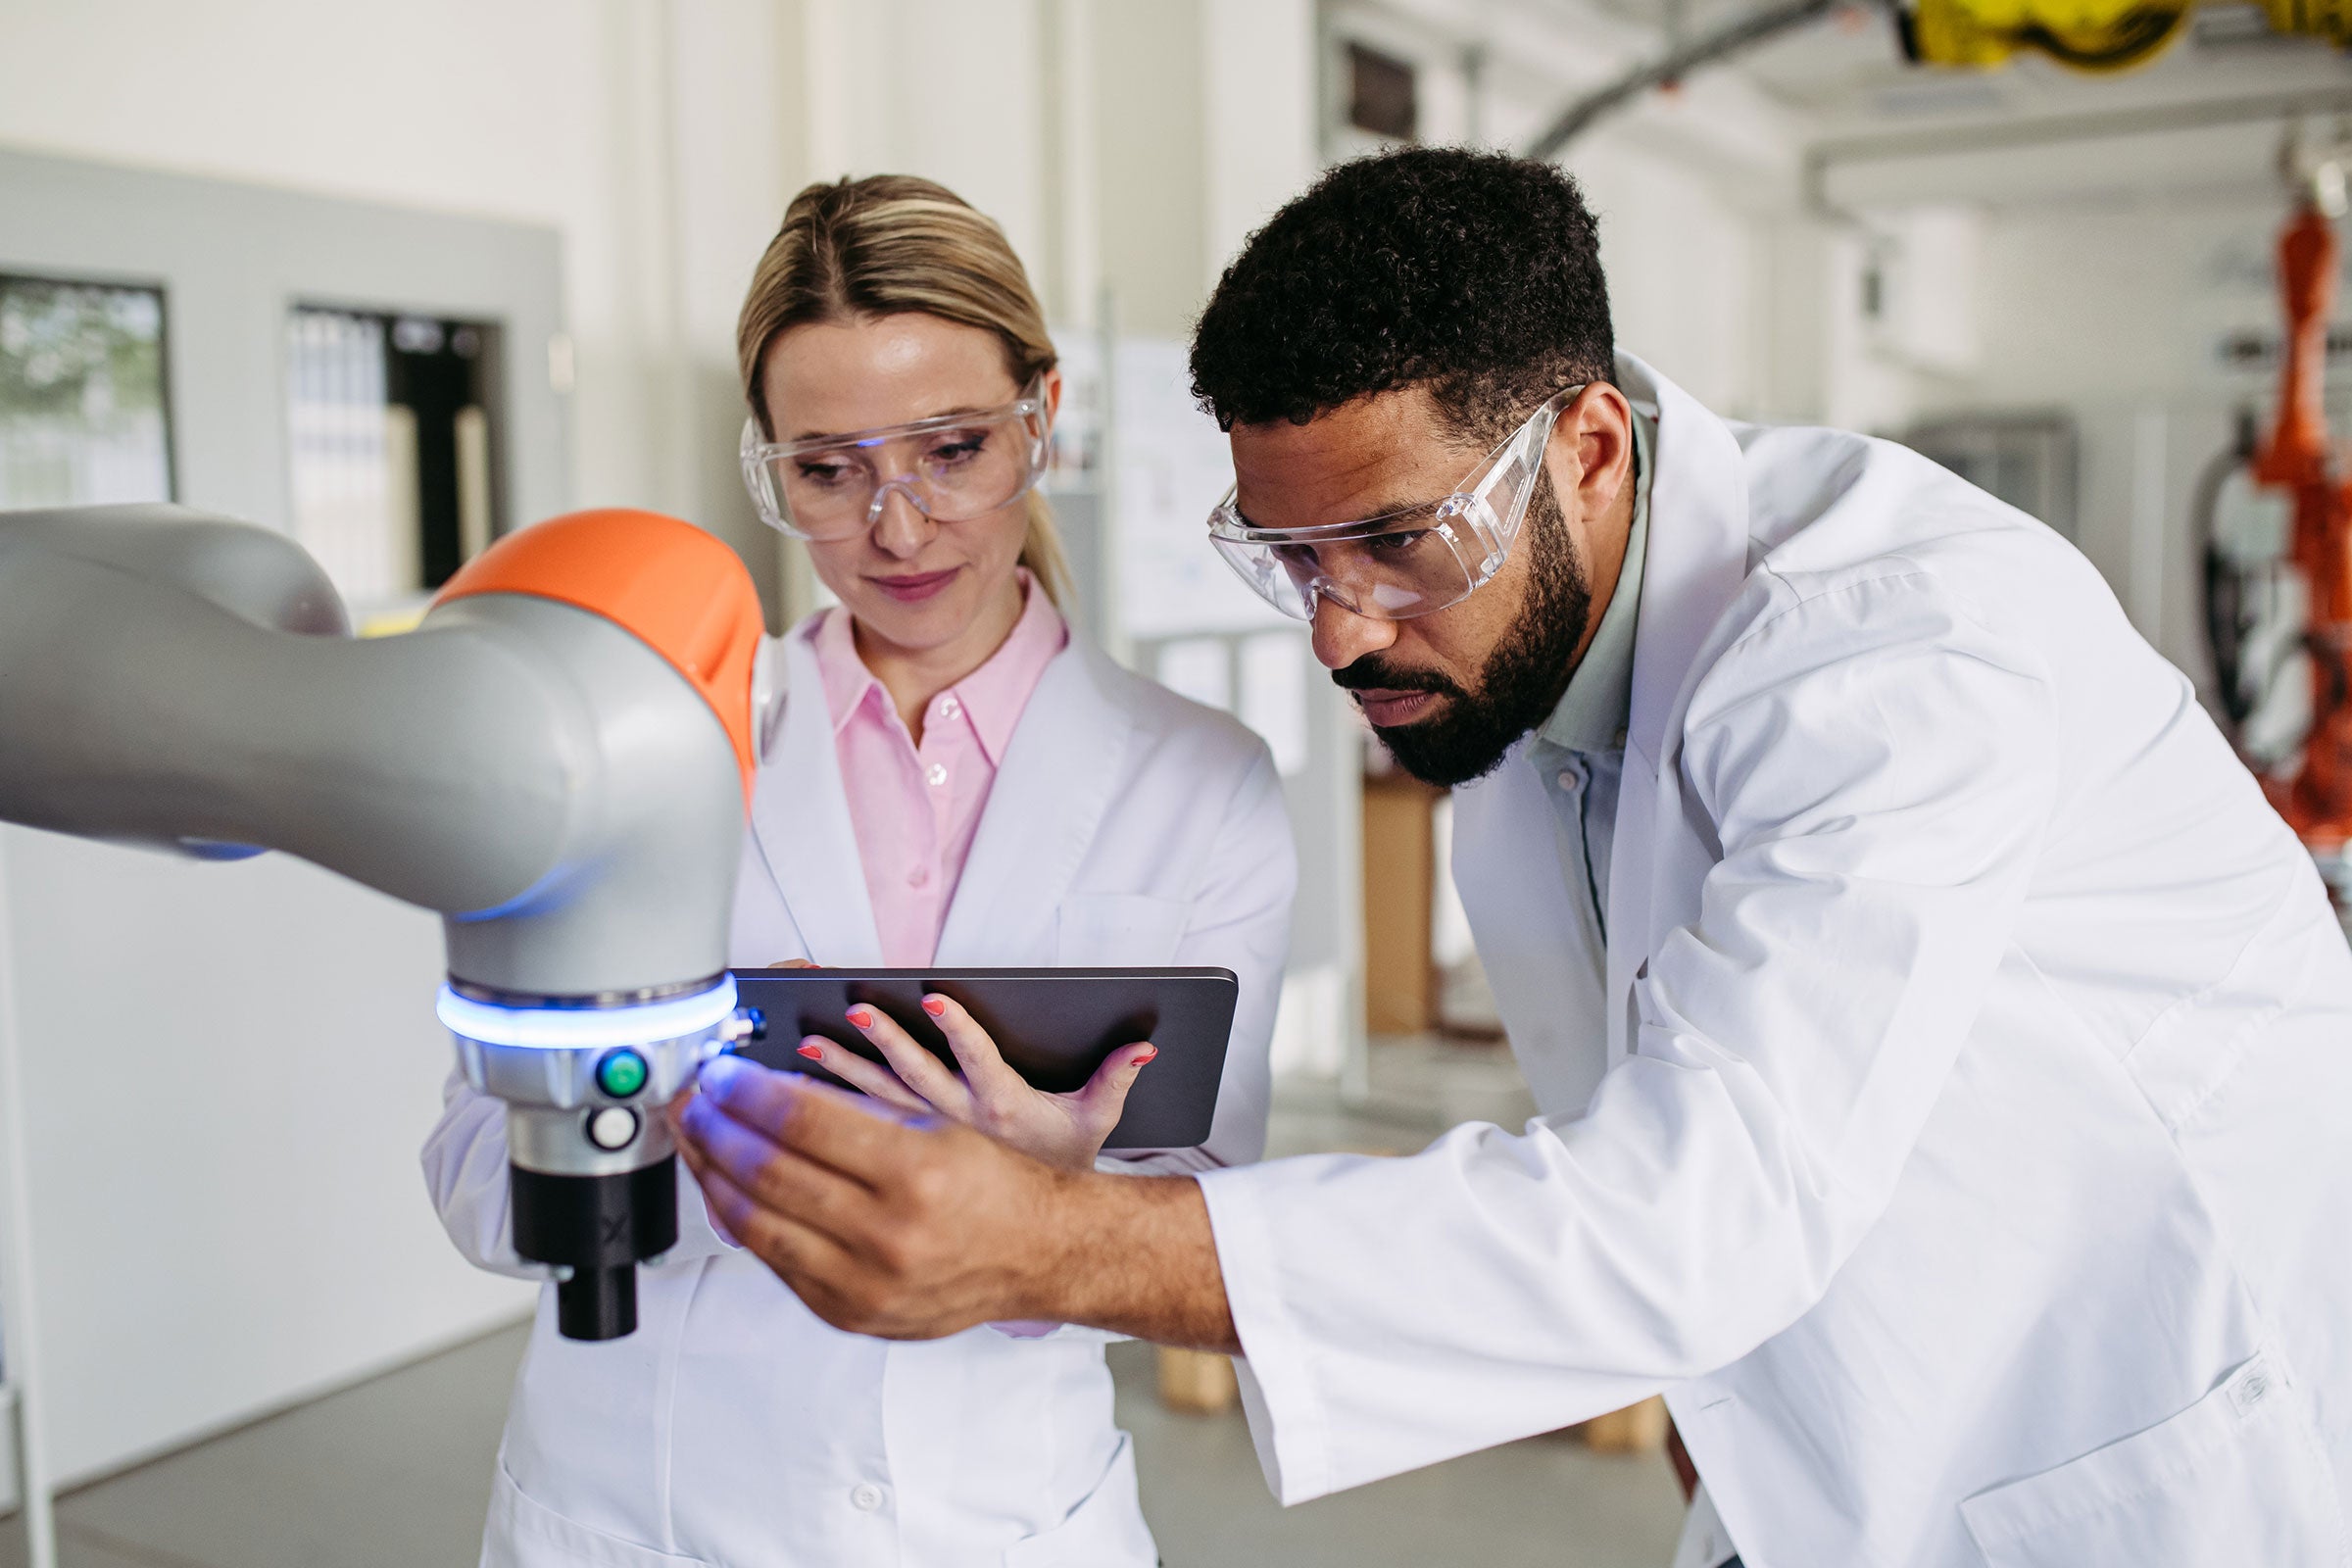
1053, 394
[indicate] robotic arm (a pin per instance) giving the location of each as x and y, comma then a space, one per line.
557, 761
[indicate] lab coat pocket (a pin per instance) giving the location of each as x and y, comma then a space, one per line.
1106, 1531
2235, 1477
1116, 930
526, 1533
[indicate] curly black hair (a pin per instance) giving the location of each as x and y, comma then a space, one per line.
1475, 275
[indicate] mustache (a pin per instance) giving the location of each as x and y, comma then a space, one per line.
1372, 673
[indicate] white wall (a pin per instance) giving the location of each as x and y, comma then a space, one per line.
2111, 308
556, 112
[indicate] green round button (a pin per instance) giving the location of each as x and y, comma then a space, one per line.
621, 1073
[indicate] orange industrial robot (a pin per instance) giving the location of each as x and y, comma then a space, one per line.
2297, 456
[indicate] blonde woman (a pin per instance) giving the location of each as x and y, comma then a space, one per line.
954, 777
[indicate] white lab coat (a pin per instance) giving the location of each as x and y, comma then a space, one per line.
1968, 1153
1125, 827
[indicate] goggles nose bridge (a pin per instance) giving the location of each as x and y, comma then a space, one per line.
903, 484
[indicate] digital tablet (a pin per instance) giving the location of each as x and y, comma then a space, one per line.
1054, 1027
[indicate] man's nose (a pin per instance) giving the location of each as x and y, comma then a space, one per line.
1341, 636
900, 529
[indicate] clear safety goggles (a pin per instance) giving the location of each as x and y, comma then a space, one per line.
953, 468
1412, 561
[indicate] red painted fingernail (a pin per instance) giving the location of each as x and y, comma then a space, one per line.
936, 1007
813, 1052
862, 1017
1147, 1054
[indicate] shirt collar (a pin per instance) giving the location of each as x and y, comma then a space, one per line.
1592, 712
992, 696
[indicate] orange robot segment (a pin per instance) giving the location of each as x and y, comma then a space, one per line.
677, 589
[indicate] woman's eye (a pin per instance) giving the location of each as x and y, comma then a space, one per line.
961, 446
823, 474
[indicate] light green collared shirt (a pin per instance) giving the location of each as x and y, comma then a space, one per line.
1579, 752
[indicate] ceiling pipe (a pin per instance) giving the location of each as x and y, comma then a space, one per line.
1678, 62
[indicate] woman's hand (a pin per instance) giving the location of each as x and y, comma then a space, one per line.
1061, 1130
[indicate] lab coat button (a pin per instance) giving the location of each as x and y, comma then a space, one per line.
865, 1496
948, 707
938, 774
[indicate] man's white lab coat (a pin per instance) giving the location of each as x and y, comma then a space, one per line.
1968, 1154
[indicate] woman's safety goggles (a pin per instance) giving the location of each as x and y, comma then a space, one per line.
953, 468
1409, 562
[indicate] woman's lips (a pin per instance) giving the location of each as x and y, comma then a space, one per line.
916, 587
1384, 709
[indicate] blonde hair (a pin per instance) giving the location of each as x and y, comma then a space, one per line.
891, 244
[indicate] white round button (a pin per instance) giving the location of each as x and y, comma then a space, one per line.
938, 774
612, 1127
948, 707
865, 1496
1568, 779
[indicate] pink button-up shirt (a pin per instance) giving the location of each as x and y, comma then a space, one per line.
916, 809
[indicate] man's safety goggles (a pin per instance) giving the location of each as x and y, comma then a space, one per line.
953, 468
1408, 563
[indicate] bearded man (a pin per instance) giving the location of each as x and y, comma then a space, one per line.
1942, 1049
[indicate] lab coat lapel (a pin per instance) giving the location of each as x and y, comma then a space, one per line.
1697, 562
1053, 786
800, 822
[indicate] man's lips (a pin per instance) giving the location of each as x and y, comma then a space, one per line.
916, 586
1384, 708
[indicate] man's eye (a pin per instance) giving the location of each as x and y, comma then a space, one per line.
1402, 542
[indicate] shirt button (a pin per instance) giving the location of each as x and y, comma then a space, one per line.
865, 1496
919, 877
1568, 779
937, 773
948, 707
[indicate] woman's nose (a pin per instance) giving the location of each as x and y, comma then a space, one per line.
1341, 636
900, 529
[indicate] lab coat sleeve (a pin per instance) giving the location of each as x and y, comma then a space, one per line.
466, 1171
1240, 920
1877, 770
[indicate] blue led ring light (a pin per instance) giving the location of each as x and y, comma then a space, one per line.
586, 1028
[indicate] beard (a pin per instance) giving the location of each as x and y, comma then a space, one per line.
1521, 681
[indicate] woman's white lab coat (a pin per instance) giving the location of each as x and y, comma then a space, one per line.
1968, 1151
1125, 827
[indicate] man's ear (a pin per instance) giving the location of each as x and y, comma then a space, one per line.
1590, 454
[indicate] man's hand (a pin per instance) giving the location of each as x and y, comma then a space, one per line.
908, 1227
